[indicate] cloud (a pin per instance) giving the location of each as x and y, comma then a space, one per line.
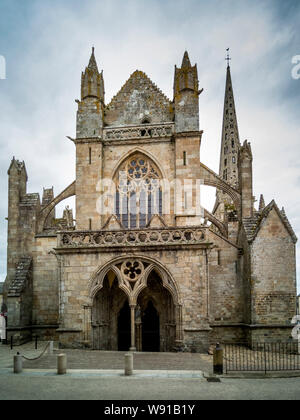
47, 44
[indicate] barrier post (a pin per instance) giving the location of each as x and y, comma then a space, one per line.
61, 364
18, 363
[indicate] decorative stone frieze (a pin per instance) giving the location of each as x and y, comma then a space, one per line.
141, 131
137, 237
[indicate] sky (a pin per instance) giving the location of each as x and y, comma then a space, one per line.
46, 44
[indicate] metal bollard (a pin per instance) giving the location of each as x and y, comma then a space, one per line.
218, 360
128, 364
36, 342
11, 342
61, 364
18, 363
50, 348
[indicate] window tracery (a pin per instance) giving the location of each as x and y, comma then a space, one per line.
138, 191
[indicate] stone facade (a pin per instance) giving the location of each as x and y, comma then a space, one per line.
146, 268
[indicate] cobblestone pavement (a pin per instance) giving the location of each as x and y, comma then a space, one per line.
89, 359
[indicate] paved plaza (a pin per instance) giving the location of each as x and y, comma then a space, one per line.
96, 375
94, 359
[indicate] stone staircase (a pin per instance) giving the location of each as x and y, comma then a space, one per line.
22, 274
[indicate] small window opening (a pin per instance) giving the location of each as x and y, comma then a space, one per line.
184, 158
90, 155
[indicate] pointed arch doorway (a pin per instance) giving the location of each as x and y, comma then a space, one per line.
150, 329
124, 328
135, 306
157, 329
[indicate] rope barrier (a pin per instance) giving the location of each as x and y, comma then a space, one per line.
36, 358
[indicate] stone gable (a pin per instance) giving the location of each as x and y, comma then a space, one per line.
138, 101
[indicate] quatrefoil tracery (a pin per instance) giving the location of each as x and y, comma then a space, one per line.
132, 270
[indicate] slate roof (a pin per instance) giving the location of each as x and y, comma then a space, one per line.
253, 224
138, 79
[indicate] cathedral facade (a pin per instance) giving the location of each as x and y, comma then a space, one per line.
144, 266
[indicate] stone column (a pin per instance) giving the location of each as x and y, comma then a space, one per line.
138, 335
178, 338
87, 325
132, 327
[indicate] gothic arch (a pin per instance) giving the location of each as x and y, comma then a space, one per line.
97, 285
167, 284
96, 281
143, 152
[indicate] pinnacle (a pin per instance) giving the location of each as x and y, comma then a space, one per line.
92, 63
186, 61
262, 203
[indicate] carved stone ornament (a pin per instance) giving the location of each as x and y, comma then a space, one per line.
132, 270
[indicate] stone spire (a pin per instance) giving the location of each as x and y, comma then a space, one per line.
92, 63
186, 61
230, 143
